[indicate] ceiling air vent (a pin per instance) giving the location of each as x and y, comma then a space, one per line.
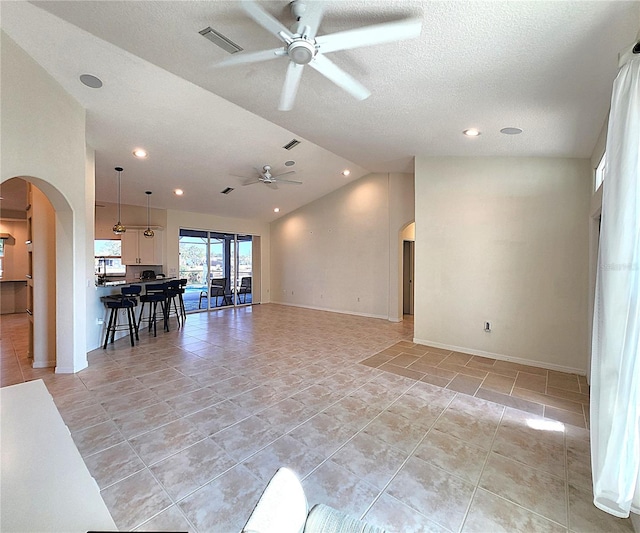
291, 144
223, 42
227, 190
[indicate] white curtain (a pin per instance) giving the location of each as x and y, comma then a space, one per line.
615, 371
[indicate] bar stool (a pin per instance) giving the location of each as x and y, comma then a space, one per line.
155, 294
183, 310
173, 292
127, 299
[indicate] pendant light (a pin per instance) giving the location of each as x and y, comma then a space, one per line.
119, 229
148, 233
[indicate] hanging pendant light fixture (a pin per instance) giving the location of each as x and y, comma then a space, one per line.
148, 232
119, 229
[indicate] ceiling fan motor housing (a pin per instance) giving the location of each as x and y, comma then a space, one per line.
301, 51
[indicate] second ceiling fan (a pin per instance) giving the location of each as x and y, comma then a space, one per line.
270, 180
303, 46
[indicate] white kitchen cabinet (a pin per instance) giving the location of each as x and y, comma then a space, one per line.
140, 250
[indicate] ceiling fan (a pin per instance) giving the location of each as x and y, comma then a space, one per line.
302, 46
271, 181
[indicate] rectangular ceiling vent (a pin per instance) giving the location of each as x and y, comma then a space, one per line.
291, 144
227, 190
223, 42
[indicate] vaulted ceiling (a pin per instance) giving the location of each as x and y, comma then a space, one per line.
544, 67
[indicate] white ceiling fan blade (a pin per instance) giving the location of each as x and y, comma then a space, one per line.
252, 57
378, 33
251, 182
271, 185
330, 70
289, 181
284, 174
265, 20
311, 18
290, 87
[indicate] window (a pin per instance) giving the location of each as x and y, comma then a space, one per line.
599, 178
108, 254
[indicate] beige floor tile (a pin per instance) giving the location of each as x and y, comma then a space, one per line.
401, 371
404, 360
194, 401
369, 459
192, 468
170, 519
225, 503
510, 401
160, 443
397, 431
545, 399
113, 464
441, 496
532, 448
97, 438
245, 438
134, 499
128, 403
567, 417
471, 420
323, 434
489, 512
560, 380
85, 417
396, 517
139, 422
532, 489
435, 380
287, 452
217, 417
535, 382
452, 455
335, 486
568, 395
498, 383
465, 384
586, 517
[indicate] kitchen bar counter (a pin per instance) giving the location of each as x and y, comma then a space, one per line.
118, 282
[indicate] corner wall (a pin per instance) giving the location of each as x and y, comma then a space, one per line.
341, 252
504, 240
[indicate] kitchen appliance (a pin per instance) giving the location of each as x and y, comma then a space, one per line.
147, 275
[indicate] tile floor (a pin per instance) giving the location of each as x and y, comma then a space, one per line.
555, 395
183, 431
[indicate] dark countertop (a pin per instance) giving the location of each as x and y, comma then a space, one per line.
118, 282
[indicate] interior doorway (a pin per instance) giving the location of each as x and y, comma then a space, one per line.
408, 266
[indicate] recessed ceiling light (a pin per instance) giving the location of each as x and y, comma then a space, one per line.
289, 163
346, 172
91, 81
178, 192
511, 131
471, 132
140, 153
276, 210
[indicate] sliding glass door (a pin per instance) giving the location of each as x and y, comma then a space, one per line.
218, 268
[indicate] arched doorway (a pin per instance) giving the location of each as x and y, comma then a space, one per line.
49, 221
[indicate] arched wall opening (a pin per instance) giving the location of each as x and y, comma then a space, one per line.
64, 358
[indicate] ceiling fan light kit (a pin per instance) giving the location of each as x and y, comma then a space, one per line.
302, 47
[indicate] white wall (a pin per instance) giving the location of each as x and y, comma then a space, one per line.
43, 140
340, 253
208, 222
504, 240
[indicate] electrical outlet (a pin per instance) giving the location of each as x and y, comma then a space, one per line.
99, 321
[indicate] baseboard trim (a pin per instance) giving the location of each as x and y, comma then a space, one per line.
502, 357
43, 364
342, 312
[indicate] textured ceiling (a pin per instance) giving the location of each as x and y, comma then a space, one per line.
545, 67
